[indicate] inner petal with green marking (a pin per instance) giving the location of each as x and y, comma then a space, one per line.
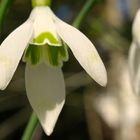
55, 56
52, 55
33, 54
46, 38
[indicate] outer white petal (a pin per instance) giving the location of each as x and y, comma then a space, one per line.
11, 51
134, 65
83, 50
136, 29
46, 92
133, 59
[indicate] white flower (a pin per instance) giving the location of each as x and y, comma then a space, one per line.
45, 85
134, 55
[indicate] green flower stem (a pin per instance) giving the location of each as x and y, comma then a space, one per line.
41, 3
30, 127
85, 10
77, 23
4, 6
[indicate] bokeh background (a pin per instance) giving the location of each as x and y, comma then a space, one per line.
91, 112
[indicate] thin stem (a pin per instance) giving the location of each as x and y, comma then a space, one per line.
30, 127
85, 10
40, 3
4, 6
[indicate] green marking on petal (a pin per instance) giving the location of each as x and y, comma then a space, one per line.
55, 55
52, 55
46, 35
33, 54
63, 52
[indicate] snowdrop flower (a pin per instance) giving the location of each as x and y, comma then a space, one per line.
41, 38
134, 55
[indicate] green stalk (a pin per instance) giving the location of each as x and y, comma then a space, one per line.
4, 6
41, 3
84, 12
30, 127
77, 23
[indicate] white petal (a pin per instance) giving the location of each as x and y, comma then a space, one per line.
134, 65
83, 50
43, 22
11, 51
133, 59
136, 82
136, 29
46, 92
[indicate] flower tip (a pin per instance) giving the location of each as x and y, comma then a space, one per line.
103, 80
49, 131
2, 87
99, 74
3, 83
103, 83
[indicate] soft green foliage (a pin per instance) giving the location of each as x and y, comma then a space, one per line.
4, 6
45, 35
41, 3
83, 13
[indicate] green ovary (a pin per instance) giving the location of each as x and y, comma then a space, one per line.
36, 3
46, 35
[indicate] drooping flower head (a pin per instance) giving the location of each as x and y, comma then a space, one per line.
41, 40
